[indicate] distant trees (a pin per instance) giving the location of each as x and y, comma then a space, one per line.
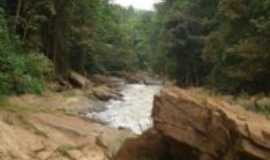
113, 49
221, 43
237, 49
182, 27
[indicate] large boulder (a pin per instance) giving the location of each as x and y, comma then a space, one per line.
79, 80
209, 128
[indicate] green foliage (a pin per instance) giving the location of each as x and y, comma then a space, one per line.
221, 43
85, 35
240, 55
19, 72
116, 44
181, 38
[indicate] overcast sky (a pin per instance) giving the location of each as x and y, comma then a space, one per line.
139, 4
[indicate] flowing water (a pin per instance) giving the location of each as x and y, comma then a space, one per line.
133, 111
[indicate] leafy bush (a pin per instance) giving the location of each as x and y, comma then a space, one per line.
20, 72
23, 73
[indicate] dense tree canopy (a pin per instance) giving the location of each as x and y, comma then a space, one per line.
220, 43
88, 36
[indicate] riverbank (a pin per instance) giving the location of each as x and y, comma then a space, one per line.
52, 126
55, 125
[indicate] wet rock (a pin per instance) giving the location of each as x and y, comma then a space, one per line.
134, 77
149, 146
99, 106
110, 81
150, 81
105, 93
141, 78
209, 129
78, 80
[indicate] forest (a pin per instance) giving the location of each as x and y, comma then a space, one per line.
220, 44
100, 80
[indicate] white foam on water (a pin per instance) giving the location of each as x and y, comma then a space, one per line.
133, 112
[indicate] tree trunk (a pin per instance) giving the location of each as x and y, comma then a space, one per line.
54, 37
18, 14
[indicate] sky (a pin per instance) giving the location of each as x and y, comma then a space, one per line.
139, 4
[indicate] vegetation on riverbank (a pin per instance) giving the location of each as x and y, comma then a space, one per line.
214, 48
41, 40
219, 44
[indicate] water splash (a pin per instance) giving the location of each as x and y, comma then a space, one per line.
133, 112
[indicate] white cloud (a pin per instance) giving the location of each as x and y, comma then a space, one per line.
139, 4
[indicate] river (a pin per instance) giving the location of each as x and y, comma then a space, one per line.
133, 111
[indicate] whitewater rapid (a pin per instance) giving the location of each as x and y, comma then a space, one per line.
133, 111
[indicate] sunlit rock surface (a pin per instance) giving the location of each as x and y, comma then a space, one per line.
211, 128
192, 126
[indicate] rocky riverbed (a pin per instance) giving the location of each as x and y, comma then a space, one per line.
112, 120
54, 126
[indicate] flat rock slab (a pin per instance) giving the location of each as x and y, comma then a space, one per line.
47, 136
